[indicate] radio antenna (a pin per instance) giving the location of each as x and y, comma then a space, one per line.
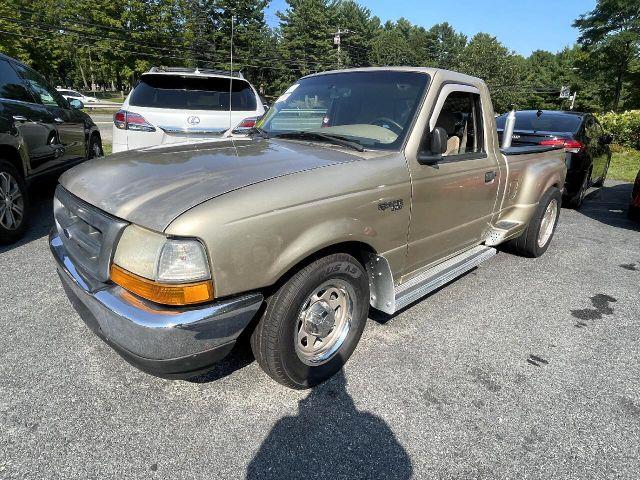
233, 19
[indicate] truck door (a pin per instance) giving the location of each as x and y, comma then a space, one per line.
598, 150
68, 124
453, 199
33, 122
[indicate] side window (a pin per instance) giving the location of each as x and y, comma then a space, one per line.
461, 118
44, 93
11, 85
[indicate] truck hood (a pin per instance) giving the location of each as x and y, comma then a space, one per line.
153, 186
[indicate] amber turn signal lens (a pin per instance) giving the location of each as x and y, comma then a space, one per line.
162, 293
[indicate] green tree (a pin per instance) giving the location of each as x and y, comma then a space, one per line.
362, 27
390, 47
502, 70
444, 46
306, 44
611, 35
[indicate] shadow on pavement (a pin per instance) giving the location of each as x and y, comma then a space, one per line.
330, 438
240, 357
41, 212
610, 205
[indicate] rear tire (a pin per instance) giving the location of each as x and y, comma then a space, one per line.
14, 203
535, 240
330, 298
577, 200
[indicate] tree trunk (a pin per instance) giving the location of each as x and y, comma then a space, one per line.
618, 91
93, 80
84, 78
118, 78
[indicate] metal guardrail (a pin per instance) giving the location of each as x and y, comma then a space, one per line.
92, 105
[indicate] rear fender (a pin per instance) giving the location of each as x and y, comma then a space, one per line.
530, 176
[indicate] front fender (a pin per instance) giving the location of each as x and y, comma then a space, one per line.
256, 234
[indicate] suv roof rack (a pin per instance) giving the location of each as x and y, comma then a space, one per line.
204, 71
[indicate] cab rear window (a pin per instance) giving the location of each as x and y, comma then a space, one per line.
192, 93
543, 122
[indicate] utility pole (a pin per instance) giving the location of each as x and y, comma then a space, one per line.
337, 40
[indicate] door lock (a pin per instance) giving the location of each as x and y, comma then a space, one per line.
490, 176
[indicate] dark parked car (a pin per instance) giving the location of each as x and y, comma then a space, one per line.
41, 133
586, 144
634, 208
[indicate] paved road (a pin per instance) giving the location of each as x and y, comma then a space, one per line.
104, 121
520, 369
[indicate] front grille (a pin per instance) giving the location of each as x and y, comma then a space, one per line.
88, 234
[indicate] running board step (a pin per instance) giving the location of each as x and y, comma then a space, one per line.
502, 230
440, 275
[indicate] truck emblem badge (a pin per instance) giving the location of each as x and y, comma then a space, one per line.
193, 120
393, 205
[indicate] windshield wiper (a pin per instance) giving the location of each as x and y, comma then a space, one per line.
335, 139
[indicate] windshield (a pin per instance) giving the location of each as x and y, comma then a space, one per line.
543, 122
192, 93
374, 109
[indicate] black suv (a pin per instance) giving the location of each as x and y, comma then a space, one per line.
40, 133
586, 144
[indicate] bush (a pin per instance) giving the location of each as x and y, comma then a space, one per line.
625, 127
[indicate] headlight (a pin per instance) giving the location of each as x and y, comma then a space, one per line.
164, 270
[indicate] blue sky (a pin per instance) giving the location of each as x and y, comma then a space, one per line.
521, 25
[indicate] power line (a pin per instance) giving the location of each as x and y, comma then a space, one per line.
175, 48
199, 62
202, 55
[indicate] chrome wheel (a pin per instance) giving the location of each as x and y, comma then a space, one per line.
324, 322
11, 202
548, 223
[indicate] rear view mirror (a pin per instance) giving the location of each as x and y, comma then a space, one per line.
437, 142
606, 139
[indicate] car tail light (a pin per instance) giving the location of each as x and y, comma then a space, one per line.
571, 146
125, 120
247, 123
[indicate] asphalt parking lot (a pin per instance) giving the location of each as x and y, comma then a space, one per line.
521, 369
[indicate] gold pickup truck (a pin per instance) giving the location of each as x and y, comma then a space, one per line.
358, 188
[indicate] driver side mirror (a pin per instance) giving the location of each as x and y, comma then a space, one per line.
437, 141
606, 139
76, 104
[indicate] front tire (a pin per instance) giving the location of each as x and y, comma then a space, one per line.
313, 322
95, 147
14, 203
535, 240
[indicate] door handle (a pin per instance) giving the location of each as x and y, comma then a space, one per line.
58, 120
490, 176
20, 118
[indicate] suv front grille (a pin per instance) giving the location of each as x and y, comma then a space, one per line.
88, 234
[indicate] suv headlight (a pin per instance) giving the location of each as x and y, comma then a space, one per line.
164, 270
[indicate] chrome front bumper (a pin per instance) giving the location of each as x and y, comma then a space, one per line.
164, 341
